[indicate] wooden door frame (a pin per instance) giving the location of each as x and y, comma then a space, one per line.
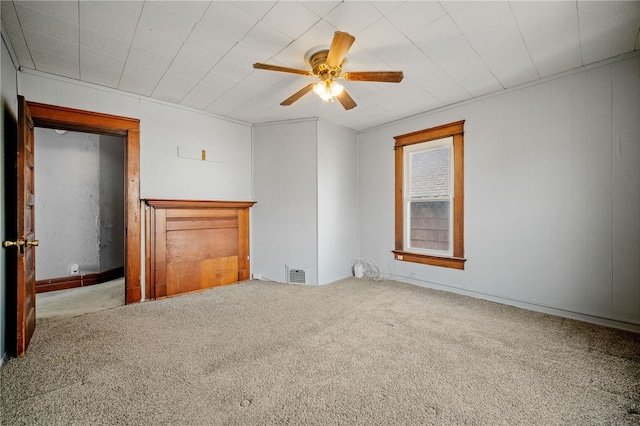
56, 117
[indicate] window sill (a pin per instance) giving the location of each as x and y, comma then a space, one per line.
446, 262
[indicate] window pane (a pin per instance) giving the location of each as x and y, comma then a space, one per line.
430, 173
429, 225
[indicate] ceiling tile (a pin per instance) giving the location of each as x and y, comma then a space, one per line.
150, 59
264, 38
360, 59
608, 28
551, 34
226, 67
103, 43
142, 70
210, 40
367, 93
227, 103
511, 63
386, 42
54, 46
290, 18
244, 55
172, 88
197, 57
436, 82
386, 7
446, 57
94, 58
101, 76
463, 65
8, 13
293, 55
257, 9
227, 19
191, 10
167, 21
104, 17
137, 83
46, 61
149, 39
434, 35
261, 80
353, 16
64, 10
218, 82
186, 71
413, 15
48, 25
19, 45
200, 97
320, 8
243, 90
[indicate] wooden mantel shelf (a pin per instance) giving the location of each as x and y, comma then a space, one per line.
197, 204
193, 245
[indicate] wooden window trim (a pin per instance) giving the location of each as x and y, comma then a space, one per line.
455, 130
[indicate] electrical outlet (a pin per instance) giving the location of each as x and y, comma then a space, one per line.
256, 276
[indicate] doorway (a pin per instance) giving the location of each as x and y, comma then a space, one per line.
55, 117
79, 212
20, 220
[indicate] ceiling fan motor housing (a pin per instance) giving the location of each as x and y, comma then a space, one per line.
318, 61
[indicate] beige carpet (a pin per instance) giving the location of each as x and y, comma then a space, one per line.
57, 305
356, 352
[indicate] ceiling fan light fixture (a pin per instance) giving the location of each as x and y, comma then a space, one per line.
320, 88
335, 88
327, 90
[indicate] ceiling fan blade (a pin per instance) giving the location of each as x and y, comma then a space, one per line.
346, 100
300, 93
380, 76
340, 45
260, 66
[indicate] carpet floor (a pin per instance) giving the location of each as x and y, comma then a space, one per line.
355, 352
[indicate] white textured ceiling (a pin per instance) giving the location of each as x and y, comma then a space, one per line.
200, 53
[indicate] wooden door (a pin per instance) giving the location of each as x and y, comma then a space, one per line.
23, 259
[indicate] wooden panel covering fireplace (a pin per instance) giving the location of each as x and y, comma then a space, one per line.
195, 245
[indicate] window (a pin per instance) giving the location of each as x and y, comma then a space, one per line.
430, 196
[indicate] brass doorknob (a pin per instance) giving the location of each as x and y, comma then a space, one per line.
12, 243
33, 243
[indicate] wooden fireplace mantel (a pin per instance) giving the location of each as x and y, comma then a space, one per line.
193, 245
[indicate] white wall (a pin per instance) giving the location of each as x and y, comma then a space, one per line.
305, 183
67, 188
79, 185
112, 162
163, 128
284, 219
552, 206
337, 202
8, 114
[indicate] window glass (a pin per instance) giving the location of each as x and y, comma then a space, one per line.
428, 196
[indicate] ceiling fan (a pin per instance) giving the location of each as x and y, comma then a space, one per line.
326, 64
